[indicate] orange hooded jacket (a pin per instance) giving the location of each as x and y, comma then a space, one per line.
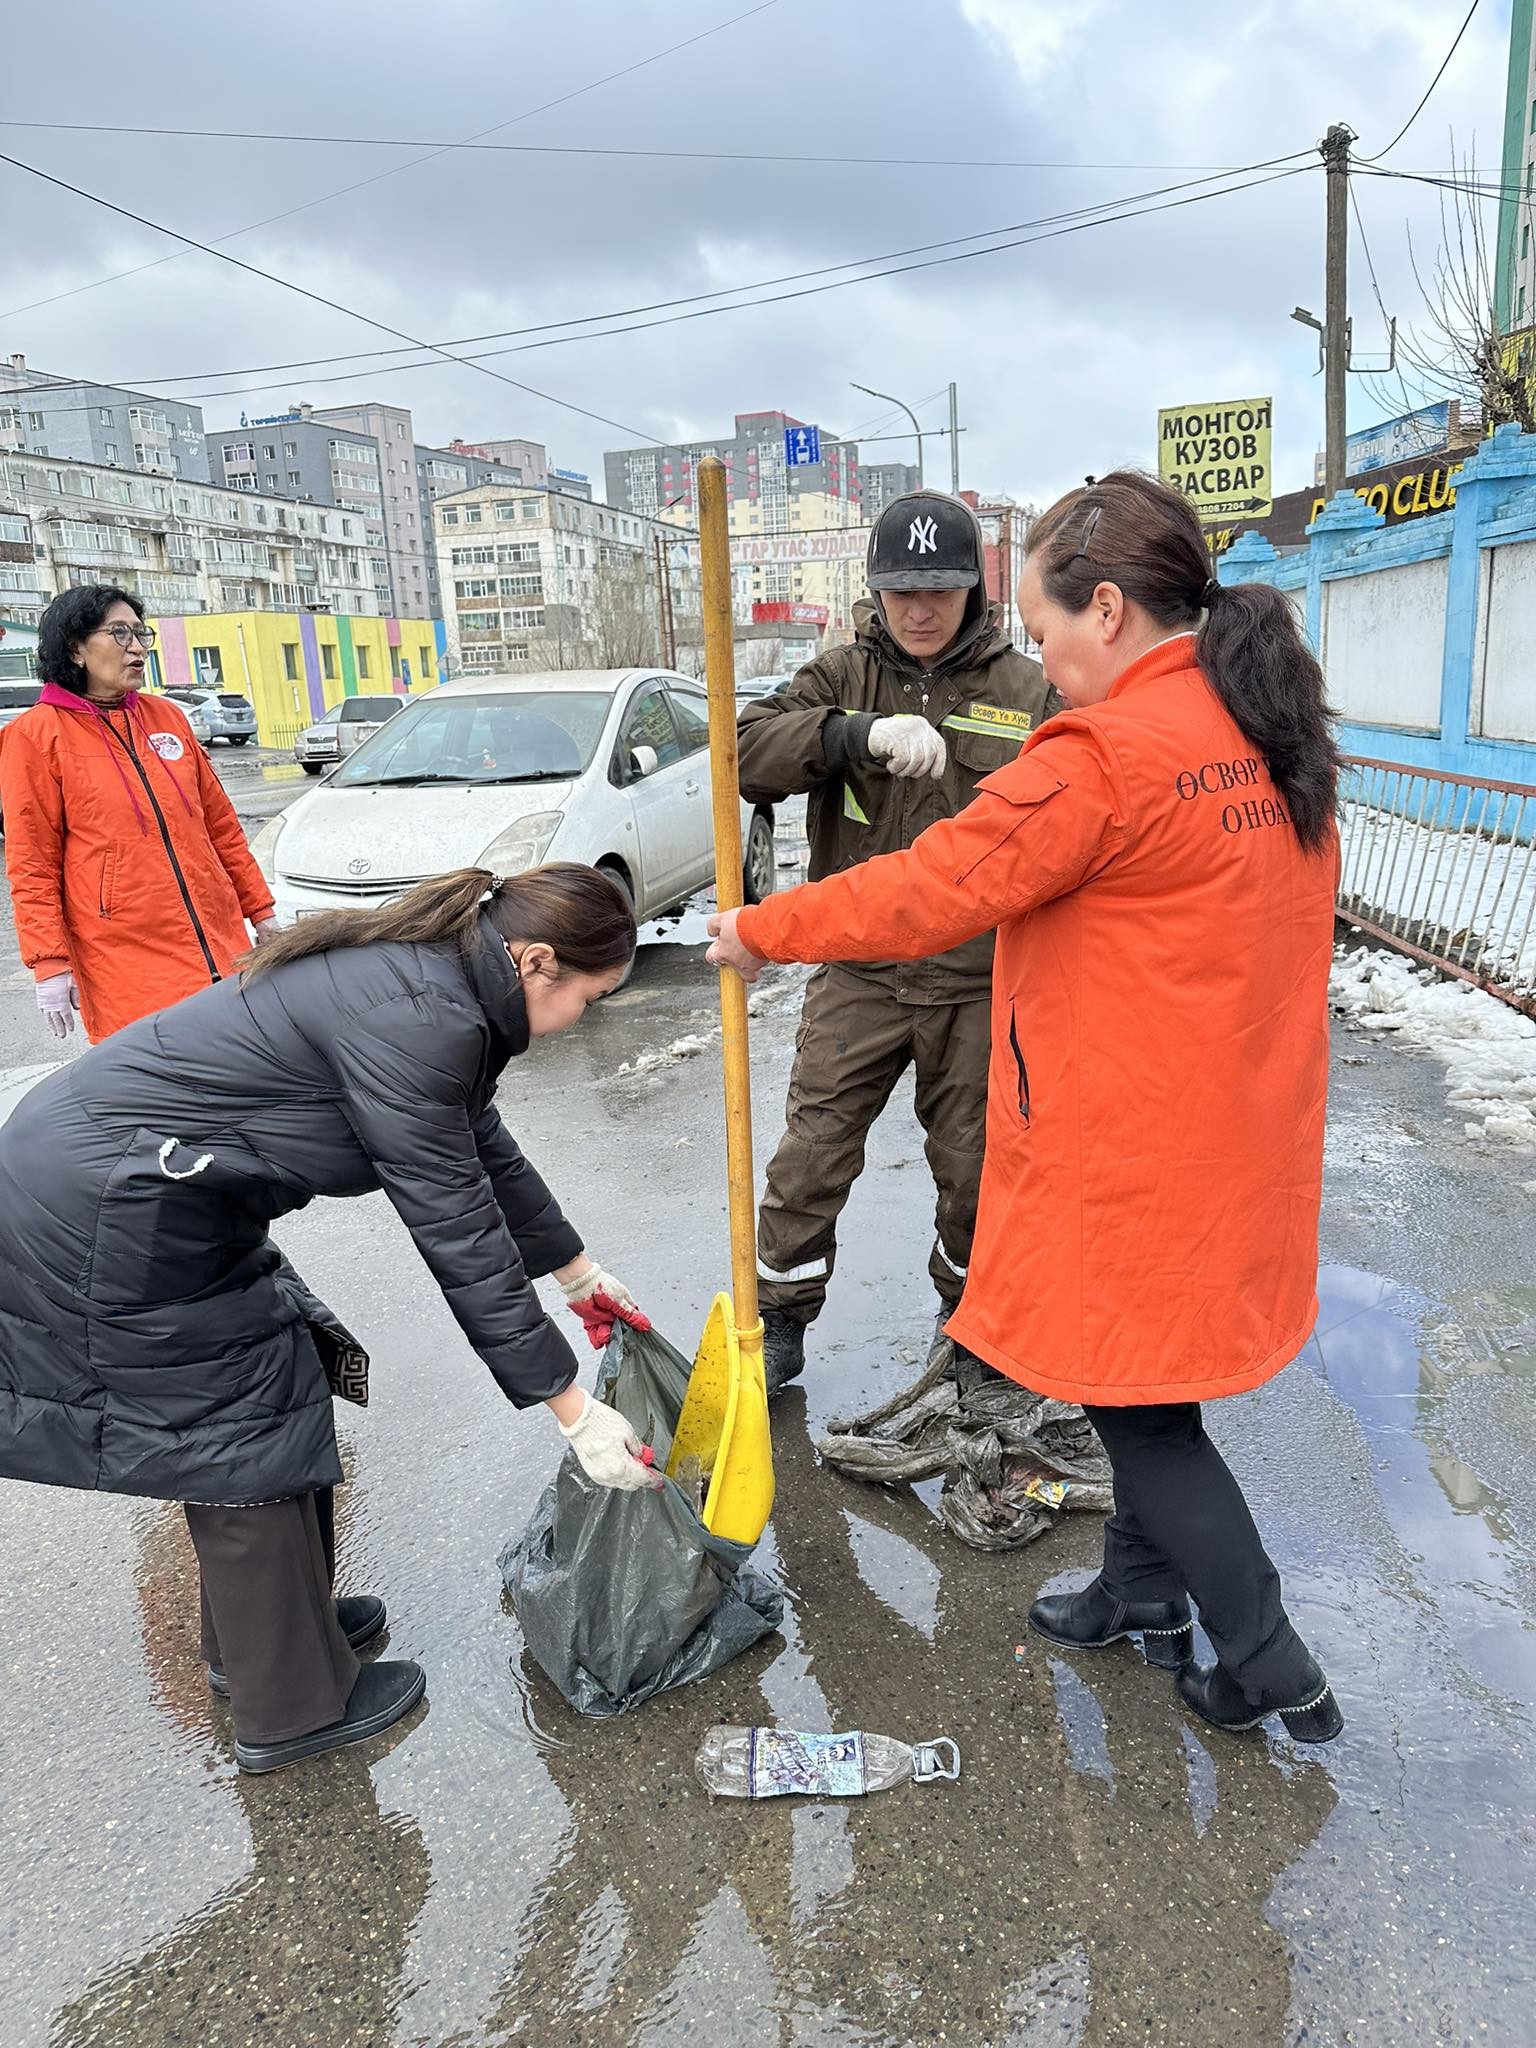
1149, 1198
127, 864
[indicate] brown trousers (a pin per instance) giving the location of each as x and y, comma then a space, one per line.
269, 1621
856, 1040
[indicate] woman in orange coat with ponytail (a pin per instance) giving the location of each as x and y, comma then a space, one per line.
1159, 865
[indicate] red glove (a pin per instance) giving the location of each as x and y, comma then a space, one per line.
599, 1313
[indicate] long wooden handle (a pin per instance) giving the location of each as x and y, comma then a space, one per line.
720, 676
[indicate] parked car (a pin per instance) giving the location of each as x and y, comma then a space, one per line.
343, 728
749, 687
607, 766
227, 715
14, 699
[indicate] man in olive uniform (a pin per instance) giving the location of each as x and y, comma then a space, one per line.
887, 736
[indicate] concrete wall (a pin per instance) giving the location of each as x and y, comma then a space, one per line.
328, 653
1382, 643
1426, 631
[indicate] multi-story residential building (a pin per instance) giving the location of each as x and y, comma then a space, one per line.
407, 531
62, 417
181, 547
764, 489
294, 455
882, 481
440, 472
534, 579
529, 458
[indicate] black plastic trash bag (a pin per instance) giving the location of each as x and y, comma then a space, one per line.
623, 1595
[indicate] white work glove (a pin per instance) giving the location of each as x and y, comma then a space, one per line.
58, 999
596, 1281
600, 1301
608, 1450
908, 745
265, 928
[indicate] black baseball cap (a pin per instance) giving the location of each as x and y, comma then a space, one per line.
926, 540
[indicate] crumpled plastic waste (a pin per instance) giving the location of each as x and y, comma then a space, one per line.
1012, 1460
772, 1763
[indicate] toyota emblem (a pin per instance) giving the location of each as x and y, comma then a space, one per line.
359, 866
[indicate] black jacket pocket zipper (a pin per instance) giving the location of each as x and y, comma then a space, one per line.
1018, 1060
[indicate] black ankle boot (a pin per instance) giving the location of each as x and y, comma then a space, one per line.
1093, 1618
783, 1349
1312, 1716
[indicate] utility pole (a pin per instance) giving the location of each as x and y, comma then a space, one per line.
1005, 564
1335, 153
954, 441
665, 615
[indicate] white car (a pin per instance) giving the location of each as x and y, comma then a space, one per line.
606, 766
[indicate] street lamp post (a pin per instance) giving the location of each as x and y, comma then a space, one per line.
886, 399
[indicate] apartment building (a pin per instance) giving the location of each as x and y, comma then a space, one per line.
767, 493
442, 472
72, 420
181, 547
534, 579
407, 532
294, 455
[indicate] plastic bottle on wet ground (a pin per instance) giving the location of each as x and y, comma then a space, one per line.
768, 1763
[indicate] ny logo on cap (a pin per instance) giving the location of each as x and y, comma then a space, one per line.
923, 535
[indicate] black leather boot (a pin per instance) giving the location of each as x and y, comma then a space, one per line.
360, 1617
1312, 1714
1092, 1619
783, 1349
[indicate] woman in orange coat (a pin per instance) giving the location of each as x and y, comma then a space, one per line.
1159, 864
131, 881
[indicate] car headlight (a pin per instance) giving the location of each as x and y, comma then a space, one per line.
522, 845
264, 847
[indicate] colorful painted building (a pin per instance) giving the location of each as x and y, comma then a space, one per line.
294, 665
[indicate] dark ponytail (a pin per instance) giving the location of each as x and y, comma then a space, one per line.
580, 913
1132, 531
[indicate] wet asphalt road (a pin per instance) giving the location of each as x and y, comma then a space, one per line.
1105, 1872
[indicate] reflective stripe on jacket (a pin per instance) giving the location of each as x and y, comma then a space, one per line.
1153, 1174
984, 697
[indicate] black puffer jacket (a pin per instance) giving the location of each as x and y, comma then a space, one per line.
151, 1340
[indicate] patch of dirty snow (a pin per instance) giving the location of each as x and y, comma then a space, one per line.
1487, 1049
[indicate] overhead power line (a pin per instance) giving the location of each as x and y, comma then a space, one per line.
476, 146
1018, 235
1424, 102
397, 170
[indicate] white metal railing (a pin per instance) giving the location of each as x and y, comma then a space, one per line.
1443, 867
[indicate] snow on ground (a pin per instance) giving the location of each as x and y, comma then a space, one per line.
1481, 885
1487, 1049
779, 993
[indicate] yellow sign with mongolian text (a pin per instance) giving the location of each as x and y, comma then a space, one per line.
1218, 456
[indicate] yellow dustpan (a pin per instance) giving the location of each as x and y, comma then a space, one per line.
724, 1422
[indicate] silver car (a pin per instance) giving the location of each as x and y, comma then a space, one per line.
226, 714
345, 726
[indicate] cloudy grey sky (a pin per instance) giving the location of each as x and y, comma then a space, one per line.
1063, 350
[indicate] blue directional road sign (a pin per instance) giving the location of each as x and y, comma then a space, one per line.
802, 446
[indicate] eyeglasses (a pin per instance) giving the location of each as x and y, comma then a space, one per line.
126, 635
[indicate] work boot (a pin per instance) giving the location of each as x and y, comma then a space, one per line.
783, 1349
383, 1695
1093, 1618
1312, 1716
361, 1618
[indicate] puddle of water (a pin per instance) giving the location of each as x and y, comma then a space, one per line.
1367, 1349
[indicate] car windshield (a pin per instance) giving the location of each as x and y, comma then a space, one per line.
523, 736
